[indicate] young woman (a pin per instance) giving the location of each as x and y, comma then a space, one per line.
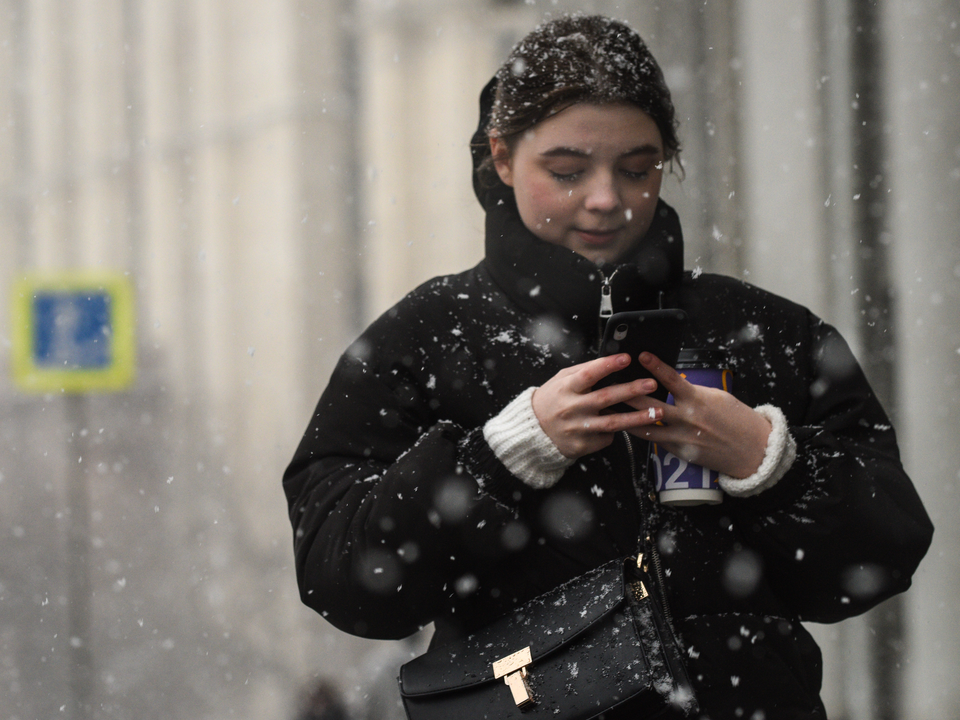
461, 461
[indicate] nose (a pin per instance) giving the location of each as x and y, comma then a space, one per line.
603, 195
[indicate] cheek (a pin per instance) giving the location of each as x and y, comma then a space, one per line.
643, 205
545, 200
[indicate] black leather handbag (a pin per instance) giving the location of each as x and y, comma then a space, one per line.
596, 642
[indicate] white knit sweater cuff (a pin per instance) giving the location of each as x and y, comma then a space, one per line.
518, 441
777, 459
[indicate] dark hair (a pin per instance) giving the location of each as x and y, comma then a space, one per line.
580, 59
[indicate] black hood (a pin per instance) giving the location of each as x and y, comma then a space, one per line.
543, 277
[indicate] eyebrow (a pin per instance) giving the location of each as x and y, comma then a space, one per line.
561, 151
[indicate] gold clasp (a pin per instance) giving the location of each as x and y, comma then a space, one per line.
513, 670
639, 589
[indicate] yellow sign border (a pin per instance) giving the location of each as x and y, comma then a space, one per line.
121, 371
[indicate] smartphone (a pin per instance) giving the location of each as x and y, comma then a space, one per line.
656, 331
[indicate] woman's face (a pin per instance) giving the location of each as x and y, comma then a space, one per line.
587, 178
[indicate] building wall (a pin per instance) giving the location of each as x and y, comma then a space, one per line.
801, 241
198, 147
924, 100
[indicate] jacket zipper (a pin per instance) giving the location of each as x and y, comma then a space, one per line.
606, 304
606, 295
652, 550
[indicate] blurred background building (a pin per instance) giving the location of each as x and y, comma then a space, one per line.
272, 174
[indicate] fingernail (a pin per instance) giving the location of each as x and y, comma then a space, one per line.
649, 385
645, 357
623, 359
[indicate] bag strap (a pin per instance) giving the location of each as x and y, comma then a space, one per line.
637, 473
647, 552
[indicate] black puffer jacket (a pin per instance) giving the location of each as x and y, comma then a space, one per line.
403, 515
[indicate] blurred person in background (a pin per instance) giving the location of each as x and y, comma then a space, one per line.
320, 700
463, 460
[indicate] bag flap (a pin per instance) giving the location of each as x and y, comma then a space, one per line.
544, 624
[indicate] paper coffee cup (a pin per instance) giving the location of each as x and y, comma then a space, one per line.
678, 481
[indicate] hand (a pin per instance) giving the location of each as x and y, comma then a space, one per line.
570, 410
706, 426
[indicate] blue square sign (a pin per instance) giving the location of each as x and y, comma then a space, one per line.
71, 330
74, 332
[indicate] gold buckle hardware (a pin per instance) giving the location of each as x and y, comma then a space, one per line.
639, 589
513, 670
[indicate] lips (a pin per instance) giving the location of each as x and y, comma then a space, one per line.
597, 237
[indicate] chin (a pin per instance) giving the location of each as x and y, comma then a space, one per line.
602, 257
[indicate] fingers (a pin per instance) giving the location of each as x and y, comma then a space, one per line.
631, 421
571, 412
584, 378
666, 375
590, 373
634, 393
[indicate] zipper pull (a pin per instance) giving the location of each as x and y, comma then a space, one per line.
606, 305
606, 297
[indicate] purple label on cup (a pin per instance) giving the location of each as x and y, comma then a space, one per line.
680, 482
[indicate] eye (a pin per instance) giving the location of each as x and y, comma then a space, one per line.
565, 177
636, 175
